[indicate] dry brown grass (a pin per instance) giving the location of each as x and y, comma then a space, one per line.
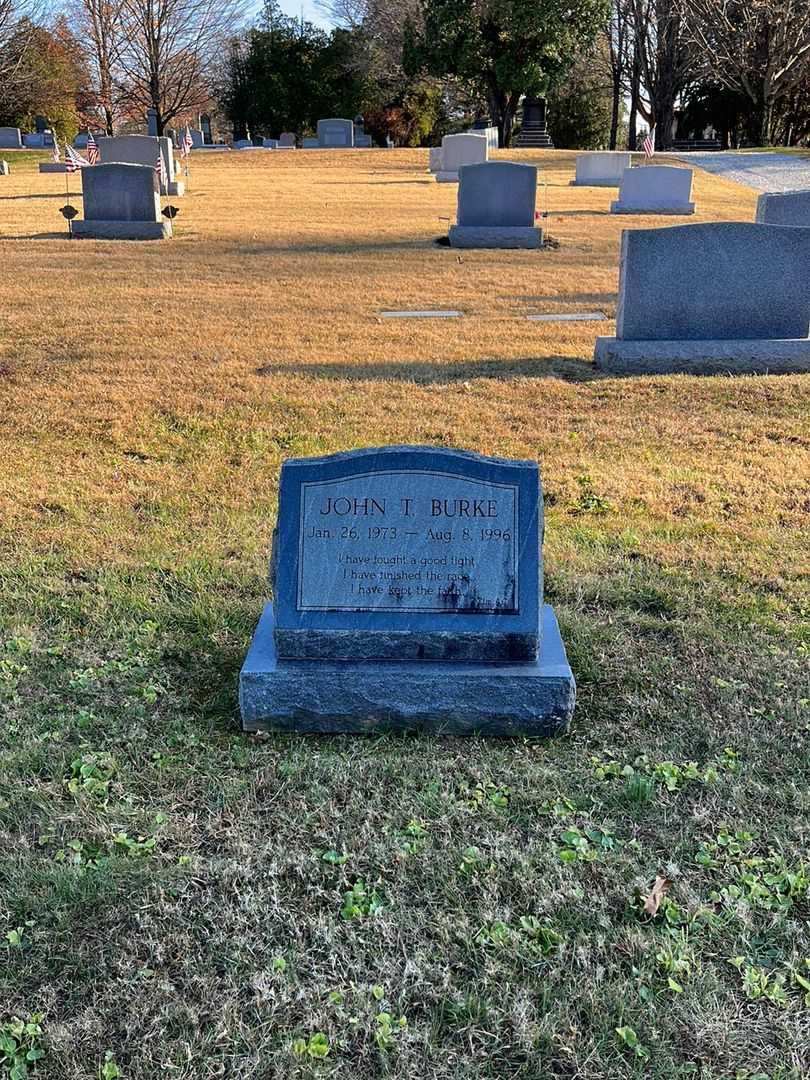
148, 394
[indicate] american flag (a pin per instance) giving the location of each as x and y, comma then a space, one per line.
93, 155
74, 161
649, 143
160, 170
55, 151
188, 142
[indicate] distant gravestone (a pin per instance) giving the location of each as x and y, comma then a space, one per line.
434, 159
309, 143
601, 168
408, 591
270, 144
197, 138
10, 138
458, 150
496, 206
205, 128
121, 202
784, 208
335, 134
655, 189
243, 144
286, 140
719, 297
142, 150
4, 168
151, 122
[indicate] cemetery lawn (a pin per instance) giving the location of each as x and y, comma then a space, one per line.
197, 903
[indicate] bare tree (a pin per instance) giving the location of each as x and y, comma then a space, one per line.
168, 52
619, 35
665, 60
758, 47
98, 25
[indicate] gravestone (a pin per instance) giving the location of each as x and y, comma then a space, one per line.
197, 138
286, 140
335, 134
243, 144
408, 589
601, 168
362, 141
205, 128
720, 297
655, 189
38, 140
434, 159
490, 133
10, 138
121, 202
308, 143
784, 208
496, 206
4, 168
270, 144
458, 150
142, 150
151, 123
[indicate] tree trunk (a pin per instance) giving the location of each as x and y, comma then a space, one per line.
635, 95
615, 111
108, 120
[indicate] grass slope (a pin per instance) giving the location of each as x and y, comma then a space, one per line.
196, 903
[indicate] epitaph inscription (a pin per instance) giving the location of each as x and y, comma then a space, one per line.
408, 540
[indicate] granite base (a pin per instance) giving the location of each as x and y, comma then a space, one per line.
443, 177
122, 230
474, 236
322, 697
685, 210
753, 357
52, 167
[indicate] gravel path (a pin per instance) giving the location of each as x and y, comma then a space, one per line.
762, 171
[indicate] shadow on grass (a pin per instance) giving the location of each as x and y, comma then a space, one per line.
432, 374
58, 195
40, 236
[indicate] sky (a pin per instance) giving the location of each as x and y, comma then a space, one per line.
311, 13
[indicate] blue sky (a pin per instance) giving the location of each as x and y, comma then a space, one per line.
311, 13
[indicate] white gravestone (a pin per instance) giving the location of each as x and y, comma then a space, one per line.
655, 189
601, 168
458, 150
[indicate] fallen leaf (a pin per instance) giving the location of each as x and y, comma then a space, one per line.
659, 890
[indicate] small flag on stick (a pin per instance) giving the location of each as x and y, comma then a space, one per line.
160, 170
55, 151
649, 143
93, 153
74, 161
188, 142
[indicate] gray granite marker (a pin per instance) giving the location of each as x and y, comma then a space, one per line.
121, 202
601, 168
655, 189
142, 150
496, 202
10, 138
784, 208
334, 134
408, 593
720, 297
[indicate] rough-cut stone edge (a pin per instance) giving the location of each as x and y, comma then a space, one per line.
500, 236
757, 356
684, 210
324, 697
122, 230
442, 645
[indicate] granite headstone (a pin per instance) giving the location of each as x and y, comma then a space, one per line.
335, 133
601, 168
784, 208
408, 591
458, 150
10, 138
717, 297
142, 150
496, 206
655, 189
121, 202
